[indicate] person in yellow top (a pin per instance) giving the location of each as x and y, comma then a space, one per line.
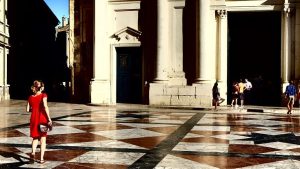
242, 87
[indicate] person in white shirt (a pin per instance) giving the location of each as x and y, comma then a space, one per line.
248, 87
248, 84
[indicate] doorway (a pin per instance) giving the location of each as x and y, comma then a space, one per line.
254, 45
129, 75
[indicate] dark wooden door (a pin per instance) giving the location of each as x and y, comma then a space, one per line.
129, 75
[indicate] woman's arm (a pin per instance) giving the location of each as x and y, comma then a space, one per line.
28, 107
47, 109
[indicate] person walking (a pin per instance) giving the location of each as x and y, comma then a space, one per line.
298, 94
290, 93
37, 105
241, 92
247, 93
235, 94
216, 95
248, 84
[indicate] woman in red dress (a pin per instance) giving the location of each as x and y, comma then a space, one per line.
37, 105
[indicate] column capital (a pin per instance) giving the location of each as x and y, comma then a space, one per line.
222, 13
288, 10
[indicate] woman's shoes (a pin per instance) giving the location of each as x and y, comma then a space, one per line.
31, 160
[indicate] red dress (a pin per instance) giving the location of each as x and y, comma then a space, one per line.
38, 114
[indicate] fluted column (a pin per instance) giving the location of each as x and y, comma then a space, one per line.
162, 62
286, 46
204, 58
222, 51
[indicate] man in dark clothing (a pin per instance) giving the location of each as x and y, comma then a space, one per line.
290, 92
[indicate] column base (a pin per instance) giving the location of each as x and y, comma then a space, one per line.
203, 81
100, 92
180, 95
4, 93
177, 78
177, 81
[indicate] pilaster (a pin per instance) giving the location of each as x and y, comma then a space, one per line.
100, 89
222, 51
177, 75
297, 41
203, 82
286, 46
4, 50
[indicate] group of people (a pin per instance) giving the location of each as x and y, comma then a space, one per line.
239, 90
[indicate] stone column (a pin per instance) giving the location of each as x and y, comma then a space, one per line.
204, 58
157, 89
100, 89
4, 52
297, 42
286, 47
71, 46
162, 62
222, 51
177, 75
6, 85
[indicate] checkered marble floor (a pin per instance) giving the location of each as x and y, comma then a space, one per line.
113, 138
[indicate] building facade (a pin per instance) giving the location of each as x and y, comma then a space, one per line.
172, 51
4, 49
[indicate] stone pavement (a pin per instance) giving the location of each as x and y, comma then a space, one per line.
139, 136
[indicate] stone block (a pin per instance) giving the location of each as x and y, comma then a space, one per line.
187, 91
206, 101
172, 91
203, 89
100, 93
181, 100
157, 89
160, 100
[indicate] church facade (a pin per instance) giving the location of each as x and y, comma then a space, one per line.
171, 52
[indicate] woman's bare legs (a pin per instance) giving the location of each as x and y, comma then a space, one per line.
43, 148
34, 145
234, 102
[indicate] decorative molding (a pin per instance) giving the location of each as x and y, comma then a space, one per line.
130, 31
222, 13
